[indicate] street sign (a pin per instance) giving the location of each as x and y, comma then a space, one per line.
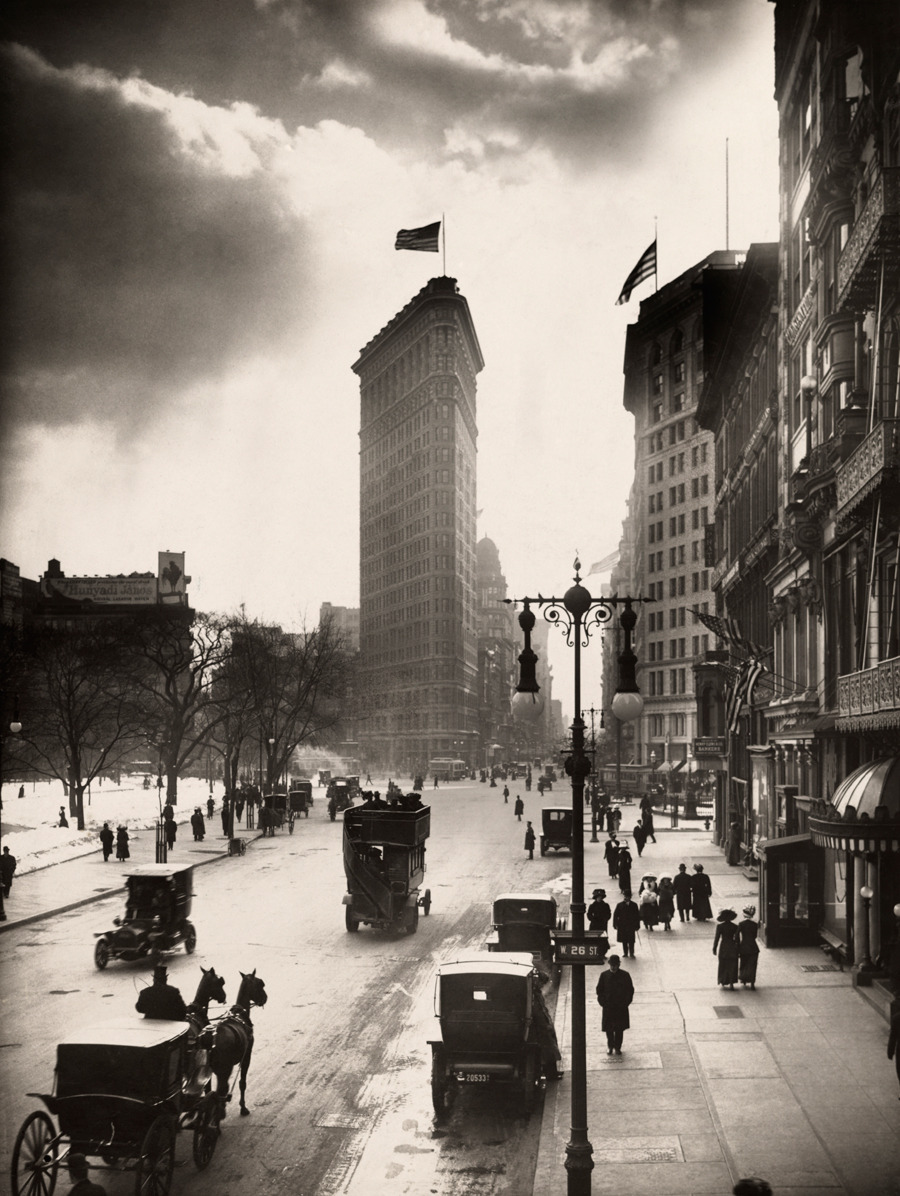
583, 950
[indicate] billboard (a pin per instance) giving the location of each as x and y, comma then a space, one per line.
106, 591
171, 576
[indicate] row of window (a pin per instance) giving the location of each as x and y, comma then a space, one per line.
656, 682
661, 724
656, 619
656, 649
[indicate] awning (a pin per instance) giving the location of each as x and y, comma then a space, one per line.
874, 784
666, 766
678, 764
788, 844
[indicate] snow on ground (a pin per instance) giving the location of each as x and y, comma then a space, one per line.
31, 827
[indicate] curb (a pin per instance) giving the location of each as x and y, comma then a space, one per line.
62, 909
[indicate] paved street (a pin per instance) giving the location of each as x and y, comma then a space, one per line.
711, 1085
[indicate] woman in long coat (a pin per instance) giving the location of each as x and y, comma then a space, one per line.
611, 852
649, 906
666, 901
122, 852
748, 947
624, 869
701, 891
725, 945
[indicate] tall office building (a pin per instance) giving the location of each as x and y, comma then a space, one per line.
418, 625
671, 509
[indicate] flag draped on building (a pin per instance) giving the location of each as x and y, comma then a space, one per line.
729, 630
425, 238
608, 562
740, 691
646, 266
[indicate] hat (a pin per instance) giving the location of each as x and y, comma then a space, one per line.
698, 867
160, 972
599, 892
726, 915
682, 867
749, 910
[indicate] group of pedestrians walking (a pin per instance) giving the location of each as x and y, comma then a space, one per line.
737, 947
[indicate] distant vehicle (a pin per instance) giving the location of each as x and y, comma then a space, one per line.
300, 800
556, 829
447, 769
384, 862
341, 795
156, 916
526, 922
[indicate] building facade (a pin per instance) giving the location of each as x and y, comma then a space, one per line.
671, 509
418, 618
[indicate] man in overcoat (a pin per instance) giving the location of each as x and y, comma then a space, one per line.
611, 852
682, 886
161, 999
615, 992
626, 923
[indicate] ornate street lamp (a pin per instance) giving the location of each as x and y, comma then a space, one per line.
578, 612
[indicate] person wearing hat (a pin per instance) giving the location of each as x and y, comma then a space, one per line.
198, 825
701, 891
611, 852
748, 947
615, 992
682, 887
122, 852
529, 840
78, 1172
666, 902
599, 914
626, 922
725, 945
161, 999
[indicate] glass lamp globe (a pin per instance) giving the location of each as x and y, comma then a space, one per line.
527, 707
627, 706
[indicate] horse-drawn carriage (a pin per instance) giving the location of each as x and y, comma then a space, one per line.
156, 916
527, 922
342, 792
300, 800
384, 861
123, 1090
495, 1029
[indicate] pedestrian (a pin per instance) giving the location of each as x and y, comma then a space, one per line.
435, 781
624, 873
682, 886
726, 945
529, 840
239, 805
63, 821
893, 1046
506, 795
170, 828
7, 868
615, 992
617, 819
519, 808
701, 891
599, 914
21, 791
666, 901
106, 842
640, 838
647, 822
734, 842
626, 923
78, 1173
368, 778
210, 806
752, 1186
198, 825
225, 817
122, 852
748, 947
610, 821
611, 851
649, 906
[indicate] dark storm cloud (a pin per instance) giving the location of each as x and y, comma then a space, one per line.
133, 264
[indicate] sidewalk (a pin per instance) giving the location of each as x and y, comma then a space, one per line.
790, 1082
74, 882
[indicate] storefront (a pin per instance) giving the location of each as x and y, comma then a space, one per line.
790, 891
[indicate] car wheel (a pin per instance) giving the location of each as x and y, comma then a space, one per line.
530, 1073
412, 919
190, 937
426, 903
443, 1088
101, 954
351, 923
34, 1157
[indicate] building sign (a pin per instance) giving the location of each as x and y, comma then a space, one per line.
171, 575
710, 745
578, 950
107, 591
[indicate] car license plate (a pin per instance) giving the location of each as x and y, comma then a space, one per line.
473, 1077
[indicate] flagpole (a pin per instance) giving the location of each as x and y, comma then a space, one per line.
444, 240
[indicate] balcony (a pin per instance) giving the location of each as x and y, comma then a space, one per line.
869, 468
869, 700
875, 240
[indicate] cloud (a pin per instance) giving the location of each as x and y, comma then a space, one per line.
147, 243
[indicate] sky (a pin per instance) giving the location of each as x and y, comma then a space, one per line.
201, 201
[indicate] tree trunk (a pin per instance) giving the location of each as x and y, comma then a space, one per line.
78, 790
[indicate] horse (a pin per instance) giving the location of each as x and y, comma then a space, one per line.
210, 988
233, 1040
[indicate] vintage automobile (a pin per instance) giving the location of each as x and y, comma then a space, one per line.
341, 794
300, 800
495, 1028
556, 829
384, 862
527, 922
122, 1091
156, 918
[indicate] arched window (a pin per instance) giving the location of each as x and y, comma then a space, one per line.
677, 341
656, 353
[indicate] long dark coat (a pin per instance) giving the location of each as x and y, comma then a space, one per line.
598, 913
122, 852
725, 945
626, 921
611, 851
615, 992
529, 839
701, 891
748, 950
682, 886
107, 839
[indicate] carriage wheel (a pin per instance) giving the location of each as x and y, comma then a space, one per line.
190, 938
243, 846
206, 1133
412, 919
157, 1159
426, 903
101, 954
443, 1088
291, 824
530, 1074
351, 923
34, 1157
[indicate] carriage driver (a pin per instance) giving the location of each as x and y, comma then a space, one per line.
160, 999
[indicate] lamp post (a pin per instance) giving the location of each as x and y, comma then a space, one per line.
867, 893
578, 612
15, 728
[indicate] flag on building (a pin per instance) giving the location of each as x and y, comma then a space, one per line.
608, 562
645, 267
419, 238
740, 691
729, 630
